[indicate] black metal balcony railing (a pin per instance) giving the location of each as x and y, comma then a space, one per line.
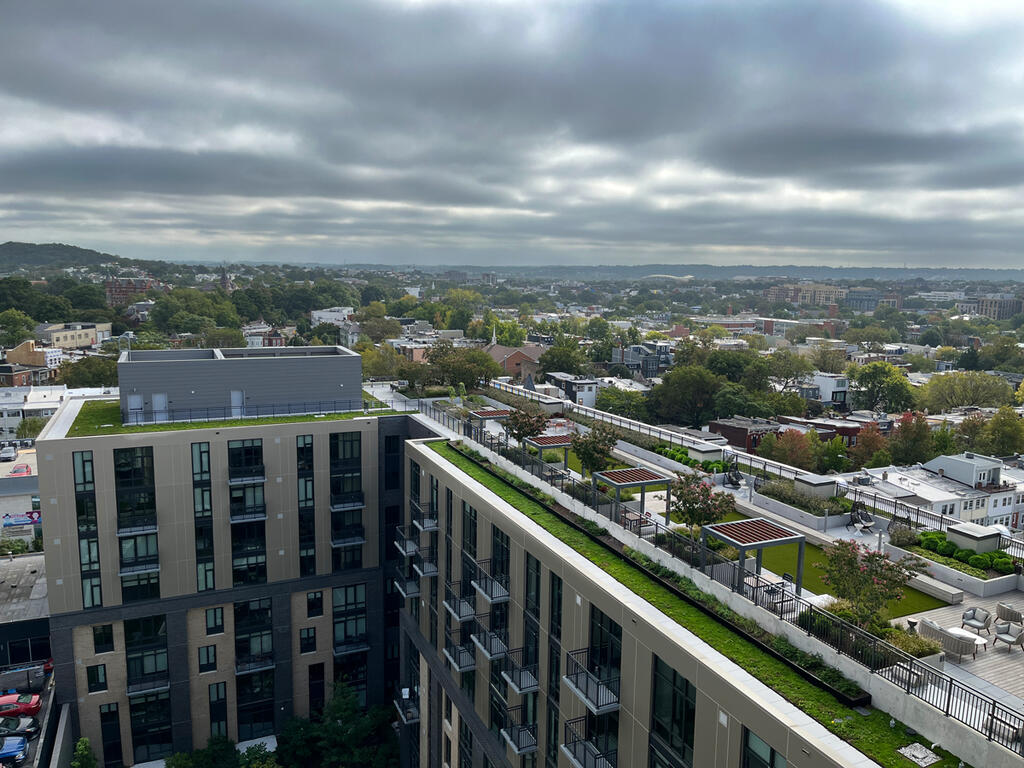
423, 518
407, 543
582, 751
493, 588
246, 513
522, 737
462, 608
348, 536
461, 655
344, 646
408, 586
598, 689
339, 466
492, 642
407, 702
414, 504
424, 562
253, 662
149, 564
522, 678
347, 500
134, 524
245, 474
151, 682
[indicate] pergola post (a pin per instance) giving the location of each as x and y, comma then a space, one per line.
741, 571
800, 568
757, 567
703, 548
565, 458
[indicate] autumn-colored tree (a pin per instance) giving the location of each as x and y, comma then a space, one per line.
869, 441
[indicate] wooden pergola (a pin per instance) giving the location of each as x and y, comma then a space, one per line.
757, 534
636, 477
544, 442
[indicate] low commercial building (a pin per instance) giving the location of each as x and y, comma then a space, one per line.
73, 335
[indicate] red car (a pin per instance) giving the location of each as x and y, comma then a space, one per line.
20, 470
15, 704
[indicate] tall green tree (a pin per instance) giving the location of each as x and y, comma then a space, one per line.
881, 385
686, 395
15, 327
563, 357
30, 427
911, 440
696, 504
594, 448
1004, 433
788, 368
957, 389
91, 371
622, 402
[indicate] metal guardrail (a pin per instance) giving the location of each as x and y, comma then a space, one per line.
600, 692
950, 696
231, 413
582, 751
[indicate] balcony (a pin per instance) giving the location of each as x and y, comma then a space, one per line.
461, 655
346, 646
582, 751
493, 588
248, 513
134, 524
522, 678
407, 586
598, 689
425, 520
350, 500
139, 565
493, 643
407, 702
461, 608
348, 536
424, 562
407, 543
522, 737
253, 662
153, 682
247, 474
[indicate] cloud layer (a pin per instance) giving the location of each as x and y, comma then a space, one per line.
510, 132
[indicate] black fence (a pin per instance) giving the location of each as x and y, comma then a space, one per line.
954, 699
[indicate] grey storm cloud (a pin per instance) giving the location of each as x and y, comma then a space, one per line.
412, 131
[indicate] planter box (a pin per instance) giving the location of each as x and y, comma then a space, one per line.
958, 579
798, 515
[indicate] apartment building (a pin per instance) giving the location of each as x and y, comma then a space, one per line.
519, 651
217, 578
73, 335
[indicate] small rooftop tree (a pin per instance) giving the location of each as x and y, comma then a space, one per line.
868, 579
525, 422
594, 448
695, 503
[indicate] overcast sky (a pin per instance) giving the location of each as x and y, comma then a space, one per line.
808, 131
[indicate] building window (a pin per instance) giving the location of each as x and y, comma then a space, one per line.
349, 615
140, 587
207, 658
555, 623
255, 695
91, 595
200, 462
757, 753
214, 621
673, 705
314, 604
110, 735
151, 726
304, 454
204, 576
346, 559
307, 639
97, 677
103, 638
532, 603
468, 531
218, 709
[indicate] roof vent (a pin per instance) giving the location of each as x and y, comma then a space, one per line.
968, 455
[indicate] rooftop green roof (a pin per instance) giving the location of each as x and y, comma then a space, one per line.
103, 417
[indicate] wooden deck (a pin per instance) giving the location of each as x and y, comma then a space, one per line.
1001, 674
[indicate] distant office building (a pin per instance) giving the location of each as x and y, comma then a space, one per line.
999, 306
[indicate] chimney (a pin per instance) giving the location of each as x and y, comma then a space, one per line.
942, 472
885, 475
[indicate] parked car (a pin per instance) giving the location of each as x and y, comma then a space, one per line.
13, 750
8, 453
14, 704
20, 470
19, 726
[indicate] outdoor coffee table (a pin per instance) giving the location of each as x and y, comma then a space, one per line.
979, 641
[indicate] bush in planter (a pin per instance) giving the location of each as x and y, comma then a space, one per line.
946, 548
963, 555
1003, 565
931, 544
982, 561
903, 536
915, 645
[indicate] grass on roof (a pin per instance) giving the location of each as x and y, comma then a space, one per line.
870, 734
103, 417
782, 559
